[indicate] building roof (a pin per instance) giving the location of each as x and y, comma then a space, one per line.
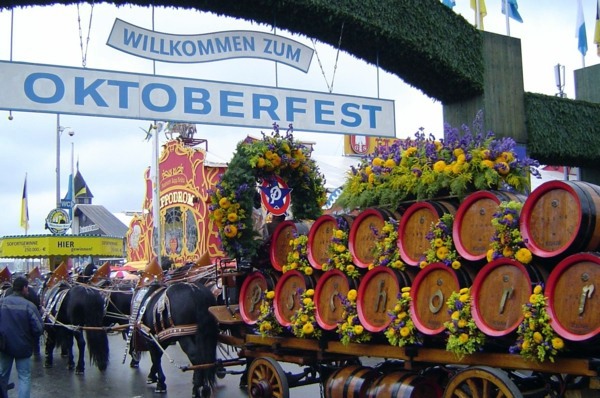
107, 222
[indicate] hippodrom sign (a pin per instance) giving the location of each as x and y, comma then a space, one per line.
93, 92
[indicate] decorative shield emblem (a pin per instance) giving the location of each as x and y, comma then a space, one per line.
359, 144
275, 196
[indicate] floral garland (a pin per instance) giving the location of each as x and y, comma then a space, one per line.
423, 168
304, 323
268, 325
441, 244
386, 248
507, 240
536, 340
463, 335
298, 257
233, 198
350, 329
402, 330
339, 254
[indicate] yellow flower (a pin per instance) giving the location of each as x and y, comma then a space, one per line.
266, 326
377, 161
224, 203
463, 298
339, 234
458, 151
537, 337
350, 268
308, 328
405, 295
230, 231
304, 318
260, 163
463, 338
442, 252
404, 331
455, 315
439, 166
270, 295
308, 271
423, 264
307, 301
438, 242
455, 264
507, 252
402, 315
390, 163
358, 329
371, 178
525, 345
558, 343
310, 292
410, 151
405, 289
462, 323
533, 298
523, 256
352, 294
340, 248
507, 156
503, 168
232, 217
464, 290
488, 163
537, 289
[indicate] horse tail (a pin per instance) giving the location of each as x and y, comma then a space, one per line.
97, 339
207, 333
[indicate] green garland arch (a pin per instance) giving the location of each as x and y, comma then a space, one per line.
233, 199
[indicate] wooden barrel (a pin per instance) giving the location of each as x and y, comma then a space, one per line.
473, 231
431, 288
350, 381
288, 290
328, 307
280, 241
320, 234
573, 304
404, 384
377, 294
252, 294
560, 218
416, 223
499, 291
362, 238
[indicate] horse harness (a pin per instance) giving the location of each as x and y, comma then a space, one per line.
52, 301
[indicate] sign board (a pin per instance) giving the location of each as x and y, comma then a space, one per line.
93, 92
208, 47
60, 245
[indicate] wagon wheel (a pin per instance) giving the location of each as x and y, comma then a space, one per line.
266, 379
481, 382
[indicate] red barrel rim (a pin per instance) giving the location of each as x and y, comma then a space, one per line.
311, 237
353, 231
278, 287
458, 223
525, 218
243, 290
551, 291
360, 306
476, 290
402, 227
322, 280
415, 290
274, 261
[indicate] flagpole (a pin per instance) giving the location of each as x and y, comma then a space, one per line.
477, 15
507, 18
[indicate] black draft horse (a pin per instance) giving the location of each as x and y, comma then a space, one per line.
68, 308
180, 312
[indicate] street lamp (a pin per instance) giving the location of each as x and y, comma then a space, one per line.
59, 130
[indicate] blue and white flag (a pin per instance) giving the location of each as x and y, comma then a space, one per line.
580, 31
449, 3
513, 10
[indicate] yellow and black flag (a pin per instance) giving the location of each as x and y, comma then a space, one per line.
25, 208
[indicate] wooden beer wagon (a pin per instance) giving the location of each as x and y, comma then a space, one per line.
560, 222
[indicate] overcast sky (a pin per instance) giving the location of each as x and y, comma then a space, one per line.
112, 153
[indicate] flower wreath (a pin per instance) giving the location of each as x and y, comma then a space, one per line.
339, 253
402, 330
536, 339
386, 247
304, 322
233, 198
441, 244
267, 322
507, 240
350, 329
463, 335
298, 257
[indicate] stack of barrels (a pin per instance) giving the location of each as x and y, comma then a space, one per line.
559, 221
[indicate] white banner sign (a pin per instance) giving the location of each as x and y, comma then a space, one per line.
68, 90
208, 47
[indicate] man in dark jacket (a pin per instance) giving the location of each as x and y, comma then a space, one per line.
21, 324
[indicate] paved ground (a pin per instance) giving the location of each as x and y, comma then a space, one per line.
120, 381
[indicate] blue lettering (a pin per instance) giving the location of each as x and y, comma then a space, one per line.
189, 99
270, 108
189, 48
223, 46
319, 112
372, 116
268, 46
81, 91
237, 45
248, 43
163, 51
226, 103
59, 88
281, 50
147, 92
123, 91
131, 39
292, 54
290, 109
153, 46
175, 47
347, 112
207, 48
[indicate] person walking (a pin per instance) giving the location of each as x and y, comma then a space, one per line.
21, 324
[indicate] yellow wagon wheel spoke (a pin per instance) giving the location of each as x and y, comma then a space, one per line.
481, 382
266, 379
